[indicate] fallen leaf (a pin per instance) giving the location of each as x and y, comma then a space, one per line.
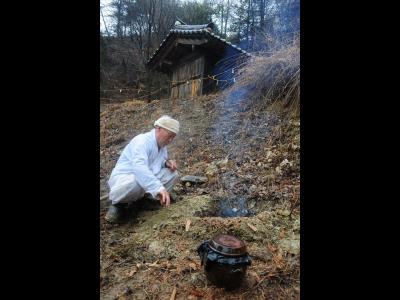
154, 264
252, 227
197, 293
193, 266
131, 273
187, 224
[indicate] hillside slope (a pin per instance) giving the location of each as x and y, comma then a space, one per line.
249, 151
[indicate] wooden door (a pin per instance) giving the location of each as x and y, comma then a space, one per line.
187, 79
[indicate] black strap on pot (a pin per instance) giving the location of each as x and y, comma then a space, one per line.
207, 254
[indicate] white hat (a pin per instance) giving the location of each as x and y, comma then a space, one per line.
168, 123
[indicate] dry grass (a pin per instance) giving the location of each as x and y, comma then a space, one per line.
273, 76
153, 254
277, 75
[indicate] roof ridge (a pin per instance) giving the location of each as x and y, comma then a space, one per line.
192, 31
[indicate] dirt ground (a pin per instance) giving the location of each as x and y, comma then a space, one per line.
247, 149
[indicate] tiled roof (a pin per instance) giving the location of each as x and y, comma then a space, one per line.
190, 27
203, 30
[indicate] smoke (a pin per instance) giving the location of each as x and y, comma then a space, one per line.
243, 123
260, 81
267, 23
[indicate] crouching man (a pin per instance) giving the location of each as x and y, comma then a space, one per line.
144, 168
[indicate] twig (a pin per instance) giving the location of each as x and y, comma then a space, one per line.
173, 294
252, 227
254, 287
146, 293
118, 264
259, 258
294, 204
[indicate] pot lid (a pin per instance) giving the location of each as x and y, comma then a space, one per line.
228, 245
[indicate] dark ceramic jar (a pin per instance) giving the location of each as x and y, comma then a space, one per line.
225, 260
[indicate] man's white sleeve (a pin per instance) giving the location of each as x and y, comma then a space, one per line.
138, 156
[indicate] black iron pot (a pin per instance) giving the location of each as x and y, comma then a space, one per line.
225, 260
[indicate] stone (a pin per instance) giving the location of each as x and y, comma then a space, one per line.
156, 247
194, 179
291, 244
252, 188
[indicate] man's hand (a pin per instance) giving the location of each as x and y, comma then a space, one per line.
171, 164
164, 197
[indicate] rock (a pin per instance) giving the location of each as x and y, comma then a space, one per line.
291, 245
188, 184
112, 242
194, 179
156, 247
252, 188
284, 212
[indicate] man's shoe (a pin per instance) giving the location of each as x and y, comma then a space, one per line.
115, 213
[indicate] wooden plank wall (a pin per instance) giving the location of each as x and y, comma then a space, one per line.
191, 72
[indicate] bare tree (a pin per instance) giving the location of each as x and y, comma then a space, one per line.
137, 27
104, 21
118, 6
226, 17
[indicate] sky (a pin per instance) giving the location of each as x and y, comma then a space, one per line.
106, 11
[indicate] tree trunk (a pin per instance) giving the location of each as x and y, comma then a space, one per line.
226, 17
262, 14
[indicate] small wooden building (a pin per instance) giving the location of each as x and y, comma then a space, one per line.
197, 60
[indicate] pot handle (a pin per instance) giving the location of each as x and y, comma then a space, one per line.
234, 271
